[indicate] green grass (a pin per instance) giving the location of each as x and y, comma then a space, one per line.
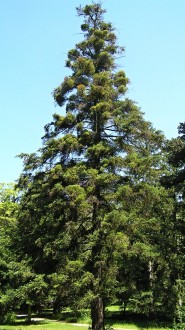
113, 308
114, 320
43, 325
139, 326
54, 325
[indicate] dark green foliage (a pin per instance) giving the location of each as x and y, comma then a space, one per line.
18, 282
8, 209
91, 203
174, 181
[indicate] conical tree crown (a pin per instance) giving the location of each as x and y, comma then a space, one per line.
93, 172
99, 123
90, 93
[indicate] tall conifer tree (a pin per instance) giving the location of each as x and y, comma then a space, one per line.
77, 191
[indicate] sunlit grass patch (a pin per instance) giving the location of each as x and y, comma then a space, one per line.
43, 325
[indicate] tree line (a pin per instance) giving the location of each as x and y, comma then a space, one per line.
97, 215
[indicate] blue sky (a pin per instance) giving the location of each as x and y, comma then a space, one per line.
35, 38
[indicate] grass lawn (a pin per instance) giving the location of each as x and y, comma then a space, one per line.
43, 325
54, 325
67, 321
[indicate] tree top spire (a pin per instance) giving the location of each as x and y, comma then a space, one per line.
93, 14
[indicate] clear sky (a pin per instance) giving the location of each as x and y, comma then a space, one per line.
35, 38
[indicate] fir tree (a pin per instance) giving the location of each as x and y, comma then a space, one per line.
78, 191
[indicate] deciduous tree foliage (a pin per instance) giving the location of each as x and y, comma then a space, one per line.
90, 196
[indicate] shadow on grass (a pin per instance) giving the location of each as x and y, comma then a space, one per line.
119, 319
113, 319
132, 324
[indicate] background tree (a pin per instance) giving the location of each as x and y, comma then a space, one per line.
19, 284
175, 184
8, 210
83, 198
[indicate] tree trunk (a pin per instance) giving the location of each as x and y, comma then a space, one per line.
97, 314
29, 313
151, 275
124, 308
151, 279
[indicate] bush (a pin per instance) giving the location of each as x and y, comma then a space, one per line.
8, 318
